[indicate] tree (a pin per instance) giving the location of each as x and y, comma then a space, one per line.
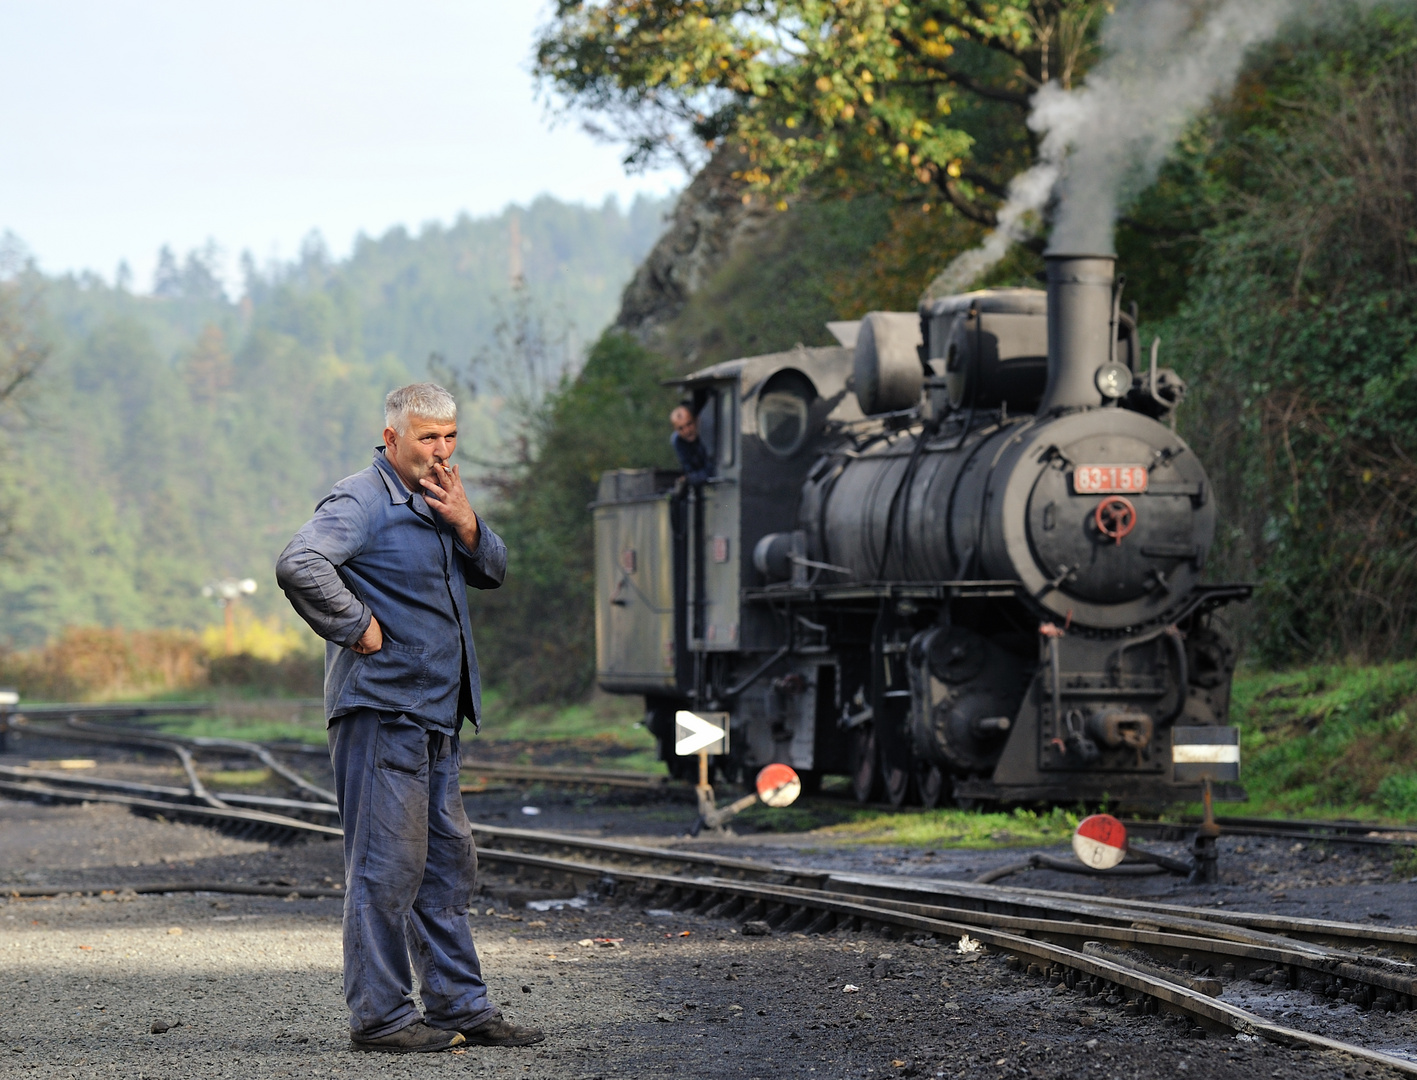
1299, 335
22, 349
208, 367
537, 631
922, 101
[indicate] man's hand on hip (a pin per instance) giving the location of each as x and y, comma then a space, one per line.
372, 640
445, 496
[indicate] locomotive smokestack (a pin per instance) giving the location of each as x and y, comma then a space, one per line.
1080, 329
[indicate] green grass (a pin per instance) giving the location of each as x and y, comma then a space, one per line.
949, 828
238, 778
603, 716
306, 725
1328, 741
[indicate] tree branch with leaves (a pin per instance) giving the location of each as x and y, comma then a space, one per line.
905, 99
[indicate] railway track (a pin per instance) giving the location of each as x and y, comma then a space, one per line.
1144, 958
1170, 960
1167, 960
1348, 832
76, 727
622, 779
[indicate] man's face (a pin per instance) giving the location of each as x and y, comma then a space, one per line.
685, 426
417, 453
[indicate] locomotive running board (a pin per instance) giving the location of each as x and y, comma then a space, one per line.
1202, 597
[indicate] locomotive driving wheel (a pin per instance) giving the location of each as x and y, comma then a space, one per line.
895, 778
862, 759
929, 783
895, 754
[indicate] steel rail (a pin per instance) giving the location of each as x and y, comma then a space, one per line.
1342, 832
163, 791
78, 730
136, 710
819, 911
197, 789
1063, 904
1352, 832
531, 841
1320, 931
274, 825
553, 774
1244, 955
1246, 951
147, 888
180, 744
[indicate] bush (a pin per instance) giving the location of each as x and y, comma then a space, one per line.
1300, 337
91, 663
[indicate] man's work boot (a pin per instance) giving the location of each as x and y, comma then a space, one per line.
417, 1038
502, 1032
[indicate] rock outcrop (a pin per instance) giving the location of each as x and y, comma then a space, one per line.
713, 218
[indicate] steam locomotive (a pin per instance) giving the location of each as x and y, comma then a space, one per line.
958, 557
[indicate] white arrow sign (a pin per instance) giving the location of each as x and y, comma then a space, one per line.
694, 733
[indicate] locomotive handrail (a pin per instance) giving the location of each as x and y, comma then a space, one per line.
873, 590
757, 673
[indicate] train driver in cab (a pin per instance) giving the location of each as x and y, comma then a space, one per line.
694, 457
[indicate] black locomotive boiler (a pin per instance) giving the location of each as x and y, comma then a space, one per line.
959, 556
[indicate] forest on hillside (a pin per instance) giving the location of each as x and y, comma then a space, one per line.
174, 438
1270, 242
1272, 248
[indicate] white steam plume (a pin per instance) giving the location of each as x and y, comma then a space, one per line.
1103, 143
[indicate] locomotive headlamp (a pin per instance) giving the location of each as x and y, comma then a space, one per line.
1114, 380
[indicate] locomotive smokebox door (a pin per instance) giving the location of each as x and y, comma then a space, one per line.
636, 649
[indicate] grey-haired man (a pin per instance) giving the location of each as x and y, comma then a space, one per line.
381, 572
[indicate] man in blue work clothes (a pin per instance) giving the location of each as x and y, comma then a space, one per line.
381, 572
693, 456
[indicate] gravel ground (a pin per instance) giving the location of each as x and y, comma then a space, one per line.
252, 989
251, 986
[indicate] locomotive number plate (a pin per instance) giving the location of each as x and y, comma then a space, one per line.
1100, 479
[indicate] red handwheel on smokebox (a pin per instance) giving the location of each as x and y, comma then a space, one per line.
1115, 517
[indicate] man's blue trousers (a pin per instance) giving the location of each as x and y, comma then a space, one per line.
410, 868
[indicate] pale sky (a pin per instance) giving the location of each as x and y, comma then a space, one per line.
129, 124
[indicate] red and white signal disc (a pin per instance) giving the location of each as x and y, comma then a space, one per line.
1100, 841
778, 785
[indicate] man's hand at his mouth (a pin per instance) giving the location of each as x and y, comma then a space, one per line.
444, 493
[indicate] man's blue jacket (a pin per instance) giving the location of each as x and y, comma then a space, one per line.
693, 459
375, 548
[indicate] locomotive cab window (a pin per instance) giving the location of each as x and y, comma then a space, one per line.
727, 433
784, 412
